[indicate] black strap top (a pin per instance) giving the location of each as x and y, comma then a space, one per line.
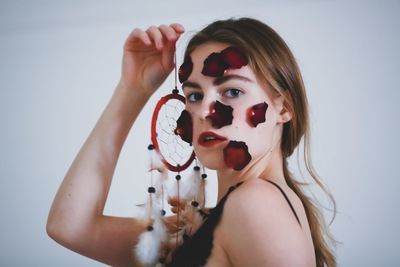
196, 249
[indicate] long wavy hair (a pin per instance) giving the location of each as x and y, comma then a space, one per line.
273, 63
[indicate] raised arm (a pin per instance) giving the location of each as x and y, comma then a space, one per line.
76, 218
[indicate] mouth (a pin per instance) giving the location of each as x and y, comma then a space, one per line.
209, 139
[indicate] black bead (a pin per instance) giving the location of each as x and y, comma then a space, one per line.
150, 228
150, 147
151, 189
163, 212
178, 177
175, 91
196, 168
195, 203
204, 176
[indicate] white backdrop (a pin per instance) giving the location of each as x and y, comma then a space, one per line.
60, 62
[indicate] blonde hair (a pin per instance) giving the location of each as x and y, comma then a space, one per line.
272, 61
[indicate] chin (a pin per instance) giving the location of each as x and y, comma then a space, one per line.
212, 161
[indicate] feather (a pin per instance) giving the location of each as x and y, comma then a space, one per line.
155, 161
149, 243
193, 220
147, 249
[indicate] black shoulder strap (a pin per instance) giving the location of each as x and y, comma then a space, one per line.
287, 199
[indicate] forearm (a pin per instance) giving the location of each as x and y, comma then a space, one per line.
83, 192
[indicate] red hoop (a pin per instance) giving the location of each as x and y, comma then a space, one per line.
154, 140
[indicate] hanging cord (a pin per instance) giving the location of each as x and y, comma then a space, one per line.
175, 69
178, 178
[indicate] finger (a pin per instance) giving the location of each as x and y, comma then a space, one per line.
139, 35
156, 36
168, 32
177, 27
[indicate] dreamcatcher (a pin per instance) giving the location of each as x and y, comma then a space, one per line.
171, 151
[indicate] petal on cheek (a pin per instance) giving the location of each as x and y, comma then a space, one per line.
184, 127
256, 114
236, 155
185, 69
221, 115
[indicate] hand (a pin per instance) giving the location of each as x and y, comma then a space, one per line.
148, 57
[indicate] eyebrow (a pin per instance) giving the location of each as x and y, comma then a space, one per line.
217, 81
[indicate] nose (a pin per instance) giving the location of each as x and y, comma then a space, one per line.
206, 109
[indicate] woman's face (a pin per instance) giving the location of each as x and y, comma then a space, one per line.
233, 106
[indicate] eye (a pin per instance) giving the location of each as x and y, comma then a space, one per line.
233, 92
194, 97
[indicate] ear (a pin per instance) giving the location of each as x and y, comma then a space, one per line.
284, 114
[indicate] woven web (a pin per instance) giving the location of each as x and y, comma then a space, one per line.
172, 147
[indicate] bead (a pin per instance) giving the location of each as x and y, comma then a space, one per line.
177, 177
204, 176
175, 91
195, 203
151, 189
150, 228
196, 168
163, 212
150, 147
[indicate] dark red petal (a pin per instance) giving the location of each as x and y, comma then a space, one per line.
234, 57
256, 114
185, 69
220, 115
236, 155
214, 65
184, 127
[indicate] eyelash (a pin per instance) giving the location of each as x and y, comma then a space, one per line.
237, 91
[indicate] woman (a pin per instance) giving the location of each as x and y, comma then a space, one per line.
267, 220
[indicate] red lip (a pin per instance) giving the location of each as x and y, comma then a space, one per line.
208, 143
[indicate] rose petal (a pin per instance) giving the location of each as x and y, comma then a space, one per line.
256, 114
221, 115
234, 57
236, 155
214, 65
184, 127
185, 69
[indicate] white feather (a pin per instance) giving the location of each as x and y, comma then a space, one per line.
147, 249
155, 161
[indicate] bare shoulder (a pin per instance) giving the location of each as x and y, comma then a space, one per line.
259, 229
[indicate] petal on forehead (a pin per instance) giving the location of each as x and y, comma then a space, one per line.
234, 57
214, 65
185, 69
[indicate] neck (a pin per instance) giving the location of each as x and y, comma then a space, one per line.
267, 167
